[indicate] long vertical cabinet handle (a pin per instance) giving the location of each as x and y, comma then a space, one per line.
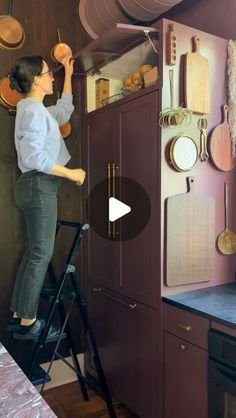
113, 195
109, 194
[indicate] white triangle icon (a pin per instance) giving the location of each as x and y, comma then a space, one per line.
117, 209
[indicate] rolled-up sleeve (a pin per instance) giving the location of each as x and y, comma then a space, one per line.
63, 109
30, 141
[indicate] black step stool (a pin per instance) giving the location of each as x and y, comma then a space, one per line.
56, 294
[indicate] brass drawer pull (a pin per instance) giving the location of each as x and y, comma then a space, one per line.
183, 347
185, 327
109, 194
101, 292
113, 195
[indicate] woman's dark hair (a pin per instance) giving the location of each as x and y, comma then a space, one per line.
22, 74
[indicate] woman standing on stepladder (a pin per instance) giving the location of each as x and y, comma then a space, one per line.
42, 156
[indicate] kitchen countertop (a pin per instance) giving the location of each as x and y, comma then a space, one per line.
217, 303
18, 397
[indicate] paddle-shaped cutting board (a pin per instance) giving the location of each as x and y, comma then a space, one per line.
197, 80
221, 145
190, 237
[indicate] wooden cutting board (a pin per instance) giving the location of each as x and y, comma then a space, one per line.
221, 145
197, 80
190, 238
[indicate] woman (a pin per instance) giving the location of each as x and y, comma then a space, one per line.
42, 156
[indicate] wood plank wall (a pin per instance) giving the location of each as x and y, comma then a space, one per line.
40, 19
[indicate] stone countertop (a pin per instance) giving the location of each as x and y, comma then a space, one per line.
217, 303
18, 397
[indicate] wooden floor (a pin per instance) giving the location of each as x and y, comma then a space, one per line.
67, 402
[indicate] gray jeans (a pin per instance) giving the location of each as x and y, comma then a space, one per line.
36, 196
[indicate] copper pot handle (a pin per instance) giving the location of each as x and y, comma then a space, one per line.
59, 36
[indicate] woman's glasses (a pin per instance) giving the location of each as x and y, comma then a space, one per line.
49, 72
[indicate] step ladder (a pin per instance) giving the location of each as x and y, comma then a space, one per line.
56, 294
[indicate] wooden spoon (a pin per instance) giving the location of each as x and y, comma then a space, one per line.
226, 241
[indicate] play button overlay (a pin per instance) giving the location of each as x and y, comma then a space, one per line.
120, 214
117, 209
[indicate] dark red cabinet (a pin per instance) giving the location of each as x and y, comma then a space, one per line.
137, 155
128, 337
185, 379
126, 136
185, 363
98, 150
122, 277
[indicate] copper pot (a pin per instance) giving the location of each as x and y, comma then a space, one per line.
65, 129
12, 34
60, 50
8, 97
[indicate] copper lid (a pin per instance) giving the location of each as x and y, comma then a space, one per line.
8, 96
11, 32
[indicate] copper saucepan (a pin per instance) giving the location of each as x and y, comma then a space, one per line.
12, 34
60, 50
8, 97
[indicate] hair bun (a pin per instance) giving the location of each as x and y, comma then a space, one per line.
14, 84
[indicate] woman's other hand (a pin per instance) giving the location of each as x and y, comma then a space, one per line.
77, 175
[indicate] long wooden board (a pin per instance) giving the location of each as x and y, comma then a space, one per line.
197, 80
190, 238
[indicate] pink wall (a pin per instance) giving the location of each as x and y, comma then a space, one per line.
208, 180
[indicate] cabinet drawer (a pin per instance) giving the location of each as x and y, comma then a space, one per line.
184, 324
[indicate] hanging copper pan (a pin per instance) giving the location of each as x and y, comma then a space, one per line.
12, 34
60, 50
8, 97
65, 129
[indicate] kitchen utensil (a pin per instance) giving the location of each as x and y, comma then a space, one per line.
183, 153
60, 50
65, 129
221, 145
196, 80
202, 125
190, 237
12, 34
226, 241
8, 97
171, 46
174, 116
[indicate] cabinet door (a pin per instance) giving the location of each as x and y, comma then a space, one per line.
185, 379
127, 337
137, 156
98, 152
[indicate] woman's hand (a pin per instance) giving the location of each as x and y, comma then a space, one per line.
77, 175
68, 63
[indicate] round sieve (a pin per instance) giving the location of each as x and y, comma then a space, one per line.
183, 153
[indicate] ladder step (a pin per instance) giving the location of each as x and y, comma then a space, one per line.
53, 339
50, 292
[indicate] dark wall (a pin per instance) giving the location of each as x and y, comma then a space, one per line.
213, 16
40, 20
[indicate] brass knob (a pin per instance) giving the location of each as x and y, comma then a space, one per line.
185, 327
183, 347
